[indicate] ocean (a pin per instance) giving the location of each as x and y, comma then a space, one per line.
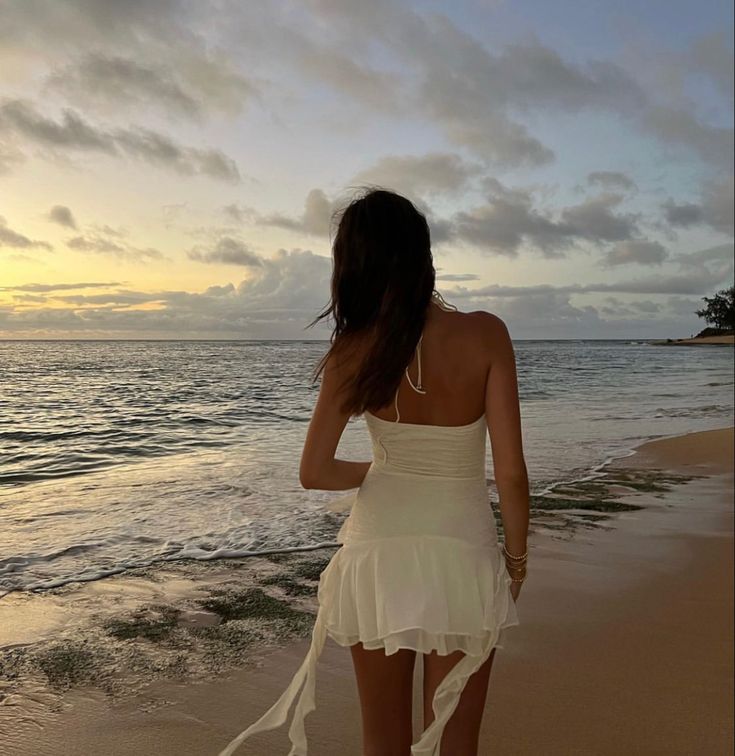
120, 454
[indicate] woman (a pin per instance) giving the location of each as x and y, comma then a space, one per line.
420, 568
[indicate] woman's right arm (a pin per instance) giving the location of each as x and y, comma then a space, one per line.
503, 414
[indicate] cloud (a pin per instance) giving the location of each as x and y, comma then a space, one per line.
228, 251
193, 87
474, 95
697, 277
721, 253
646, 305
72, 132
457, 277
11, 238
315, 219
48, 287
63, 216
320, 212
594, 219
153, 56
639, 251
681, 127
280, 297
95, 244
277, 300
714, 209
611, 180
684, 215
711, 54
98, 244
239, 214
116, 78
505, 222
406, 62
508, 219
120, 297
717, 204
10, 158
417, 175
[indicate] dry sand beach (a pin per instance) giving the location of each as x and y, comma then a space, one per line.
625, 642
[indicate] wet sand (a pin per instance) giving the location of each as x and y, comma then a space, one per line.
625, 642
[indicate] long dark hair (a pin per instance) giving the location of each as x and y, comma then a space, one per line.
382, 282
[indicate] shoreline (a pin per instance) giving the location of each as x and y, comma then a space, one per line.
620, 591
727, 340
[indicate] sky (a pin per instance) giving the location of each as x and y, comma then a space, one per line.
173, 169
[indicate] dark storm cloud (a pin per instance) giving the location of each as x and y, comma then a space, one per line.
63, 216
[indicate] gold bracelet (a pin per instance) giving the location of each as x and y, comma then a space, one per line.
516, 564
514, 556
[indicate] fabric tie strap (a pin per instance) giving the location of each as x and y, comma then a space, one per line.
277, 714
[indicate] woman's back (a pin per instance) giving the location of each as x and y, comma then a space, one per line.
454, 358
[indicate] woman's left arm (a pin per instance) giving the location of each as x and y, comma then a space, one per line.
319, 468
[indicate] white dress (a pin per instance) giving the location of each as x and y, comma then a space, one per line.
419, 567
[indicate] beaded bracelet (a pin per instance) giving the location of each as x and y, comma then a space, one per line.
513, 556
517, 580
522, 569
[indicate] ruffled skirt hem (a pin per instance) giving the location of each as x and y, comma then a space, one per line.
424, 593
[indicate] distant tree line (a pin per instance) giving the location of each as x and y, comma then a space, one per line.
719, 310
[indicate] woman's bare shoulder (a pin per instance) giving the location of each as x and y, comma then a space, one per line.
487, 326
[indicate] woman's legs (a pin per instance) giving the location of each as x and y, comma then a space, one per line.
462, 731
385, 686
